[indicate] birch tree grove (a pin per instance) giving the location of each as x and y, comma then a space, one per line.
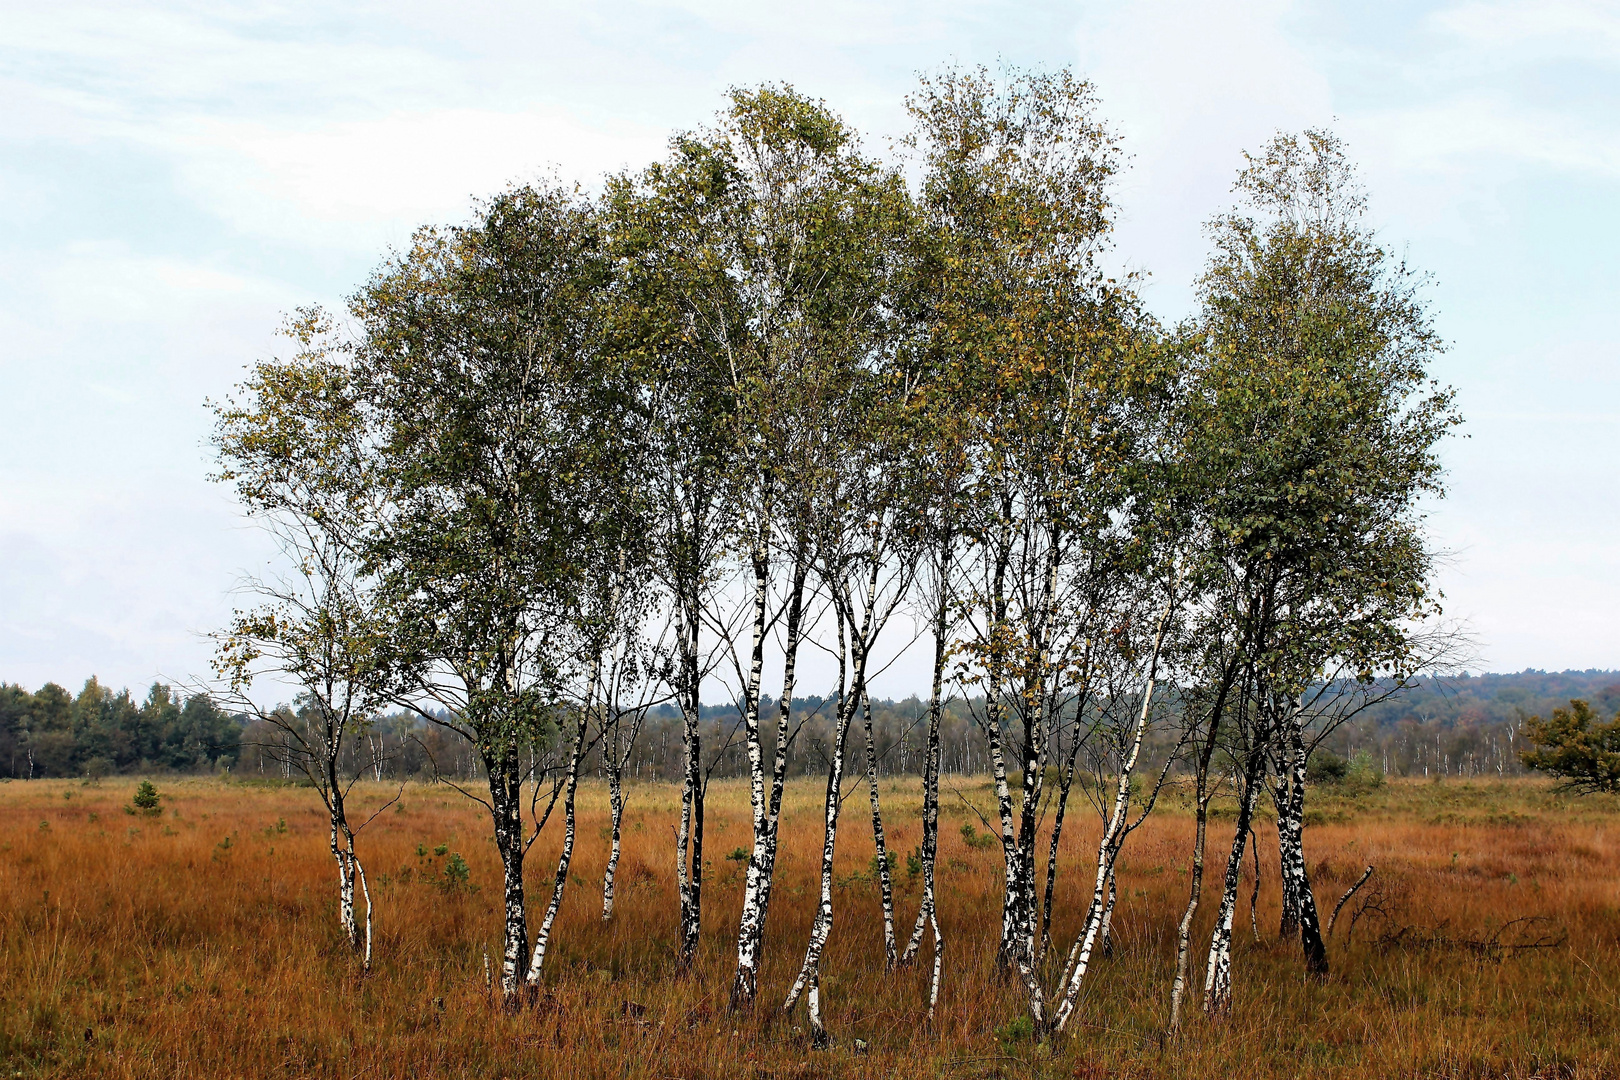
774, 407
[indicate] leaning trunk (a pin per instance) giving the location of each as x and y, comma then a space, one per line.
1113, 837
1291, 848
809, 977
543, 937
1218, 971
1178, 988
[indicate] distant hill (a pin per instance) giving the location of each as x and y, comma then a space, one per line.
1469, 724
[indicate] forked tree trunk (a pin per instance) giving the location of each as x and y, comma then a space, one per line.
766, 810
929, 848
1065, 785
343, 856
1113, 838
542, 938
1201, 797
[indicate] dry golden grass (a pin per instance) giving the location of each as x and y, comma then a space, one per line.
136, 946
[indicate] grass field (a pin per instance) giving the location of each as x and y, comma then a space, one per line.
204, 942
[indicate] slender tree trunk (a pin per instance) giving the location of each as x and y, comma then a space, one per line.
506, 807
343, 856
1218, 970
1291, 848
1012, 887
1178, 988
1201, 797
616, 815
750, 926
1254, 896
340, 838
1288, 839
1113, 836
1107, 933
927, 915
1065, 784
809, 977
689, 834
929, 848
762, 860
543, 937
365, 965
881, 857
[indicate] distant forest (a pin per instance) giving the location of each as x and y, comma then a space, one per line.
1449, 727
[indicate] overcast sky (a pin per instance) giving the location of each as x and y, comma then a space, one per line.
176, 176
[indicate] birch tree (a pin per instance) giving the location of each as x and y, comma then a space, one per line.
295, 449
1340, 446
1317, 424
498, 430
1017, 184
656, 225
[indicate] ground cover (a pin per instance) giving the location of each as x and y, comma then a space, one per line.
202, 940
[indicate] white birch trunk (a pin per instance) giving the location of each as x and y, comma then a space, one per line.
881, 856
809, 977
1178, 987
762, 860
1113, 837
543, 936
1218, 969
688, 835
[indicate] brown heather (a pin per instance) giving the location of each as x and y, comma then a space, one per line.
143, 946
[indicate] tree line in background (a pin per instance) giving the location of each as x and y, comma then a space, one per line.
589, 455
50, 732
1463, 726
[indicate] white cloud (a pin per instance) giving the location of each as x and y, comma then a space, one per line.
340, 182
1526, 30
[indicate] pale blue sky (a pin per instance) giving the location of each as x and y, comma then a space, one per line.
174, 176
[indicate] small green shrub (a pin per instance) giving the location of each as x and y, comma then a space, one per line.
738, 855
1019, 1029
145, 800
1360, 774
974, 839
456, 873
1325, 767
